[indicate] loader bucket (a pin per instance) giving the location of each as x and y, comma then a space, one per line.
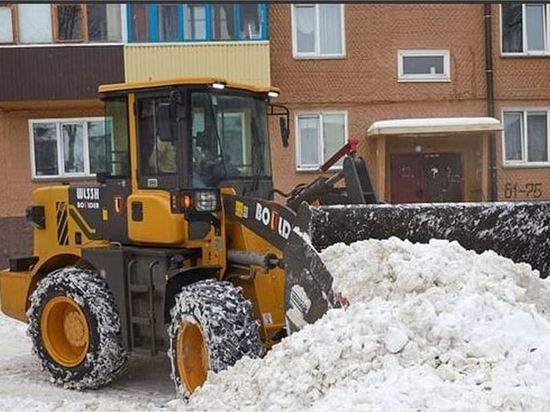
519, 231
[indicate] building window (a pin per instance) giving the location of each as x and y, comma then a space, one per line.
69, 25
249, 22
318, 30
423, 65
223, 22
89, 23
34, 23
138, 22
196, 22
524, 28
69, 147
103, 22
7, 34
169, 22
320, 135
526, 137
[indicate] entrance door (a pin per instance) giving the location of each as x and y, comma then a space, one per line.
443, 177
426, 177
407, 179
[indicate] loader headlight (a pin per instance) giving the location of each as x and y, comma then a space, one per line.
189, 200
206, 201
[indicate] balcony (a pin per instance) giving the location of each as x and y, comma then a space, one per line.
196, 22
244, 62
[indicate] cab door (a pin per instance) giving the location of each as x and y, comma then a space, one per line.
160, 157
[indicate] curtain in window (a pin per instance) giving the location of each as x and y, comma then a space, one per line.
97, 22
305, 28
35, 23
195, 22
222, 21
534, 15
512, 36
537, 137
250, 21
168, 22
140, 22
330, 28
114, 29
512, 135
334, 134
45, 149
73, 148
69, 22
309, 141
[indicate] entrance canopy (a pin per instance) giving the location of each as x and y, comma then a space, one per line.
436, 125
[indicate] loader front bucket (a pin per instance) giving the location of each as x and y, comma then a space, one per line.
519, 231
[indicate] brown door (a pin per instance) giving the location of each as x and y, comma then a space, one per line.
426, 177
407, 178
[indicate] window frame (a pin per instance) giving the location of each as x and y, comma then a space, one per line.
59, 146
525, 52
154, 29
317, 53
321, 146
84, 24
14, 24
425, 78
524, 162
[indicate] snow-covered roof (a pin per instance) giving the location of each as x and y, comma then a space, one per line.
434, 125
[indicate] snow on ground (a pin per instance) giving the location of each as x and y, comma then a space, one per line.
146, 385
430, 327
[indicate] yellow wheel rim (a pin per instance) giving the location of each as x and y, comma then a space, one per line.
191, 355
65, 331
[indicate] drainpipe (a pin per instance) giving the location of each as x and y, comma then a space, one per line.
488, 19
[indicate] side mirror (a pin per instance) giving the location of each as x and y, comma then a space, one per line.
285, 132
165, 121
283, 114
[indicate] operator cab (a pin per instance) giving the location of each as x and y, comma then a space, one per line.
191, 134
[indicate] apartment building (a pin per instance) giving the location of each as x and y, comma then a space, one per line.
54, 56
382, 73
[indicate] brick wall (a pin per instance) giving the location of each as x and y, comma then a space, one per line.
16, 184
520, 82
365, 84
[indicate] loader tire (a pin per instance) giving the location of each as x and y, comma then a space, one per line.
75, 329
212, 327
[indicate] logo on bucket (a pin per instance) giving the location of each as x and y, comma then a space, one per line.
273, 220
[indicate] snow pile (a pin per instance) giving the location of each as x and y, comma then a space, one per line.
431, 327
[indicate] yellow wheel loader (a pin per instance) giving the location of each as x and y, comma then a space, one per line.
179, 247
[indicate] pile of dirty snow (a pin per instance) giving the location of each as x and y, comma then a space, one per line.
430, 327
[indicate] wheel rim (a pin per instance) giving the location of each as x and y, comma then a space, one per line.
192, 355
65, 331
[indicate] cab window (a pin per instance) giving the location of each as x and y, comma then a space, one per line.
157, 143
157, 149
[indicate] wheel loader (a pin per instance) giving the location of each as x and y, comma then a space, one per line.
179, 247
